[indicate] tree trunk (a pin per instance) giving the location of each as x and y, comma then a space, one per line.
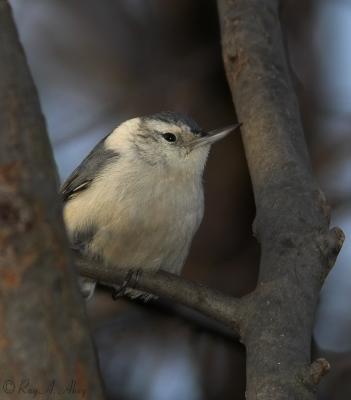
292, 221
44, 341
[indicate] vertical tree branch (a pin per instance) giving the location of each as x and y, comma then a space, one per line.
44, 340
292, 221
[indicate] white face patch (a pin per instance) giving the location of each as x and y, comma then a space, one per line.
182, 131
161, 126
143, 139
120, 137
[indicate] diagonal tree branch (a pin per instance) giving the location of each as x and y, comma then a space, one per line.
44, 341
209, 302
292, 221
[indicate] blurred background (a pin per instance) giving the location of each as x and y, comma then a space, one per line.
97, 63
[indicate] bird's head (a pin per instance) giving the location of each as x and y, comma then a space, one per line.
166, 139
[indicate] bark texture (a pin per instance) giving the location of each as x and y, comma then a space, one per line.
44, 341
292, 221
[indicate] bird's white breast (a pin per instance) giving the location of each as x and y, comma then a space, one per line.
143, 217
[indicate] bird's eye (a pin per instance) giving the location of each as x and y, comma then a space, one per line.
170, 137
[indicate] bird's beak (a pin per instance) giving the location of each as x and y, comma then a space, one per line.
213, 136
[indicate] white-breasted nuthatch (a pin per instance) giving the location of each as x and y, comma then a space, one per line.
136, 201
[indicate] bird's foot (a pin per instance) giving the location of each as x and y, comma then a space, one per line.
130, 282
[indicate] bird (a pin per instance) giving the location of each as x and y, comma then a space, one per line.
136, 201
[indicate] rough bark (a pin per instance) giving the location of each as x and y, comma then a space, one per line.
44, 341
292, 221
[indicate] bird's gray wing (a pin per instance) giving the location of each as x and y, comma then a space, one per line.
82, 177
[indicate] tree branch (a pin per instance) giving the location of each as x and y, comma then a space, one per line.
292, 221
44, 339
209, 302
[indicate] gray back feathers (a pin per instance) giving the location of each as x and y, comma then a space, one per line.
88, 169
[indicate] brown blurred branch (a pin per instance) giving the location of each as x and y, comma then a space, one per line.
44, 339
292, 222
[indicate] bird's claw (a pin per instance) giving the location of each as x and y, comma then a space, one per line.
130, 282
